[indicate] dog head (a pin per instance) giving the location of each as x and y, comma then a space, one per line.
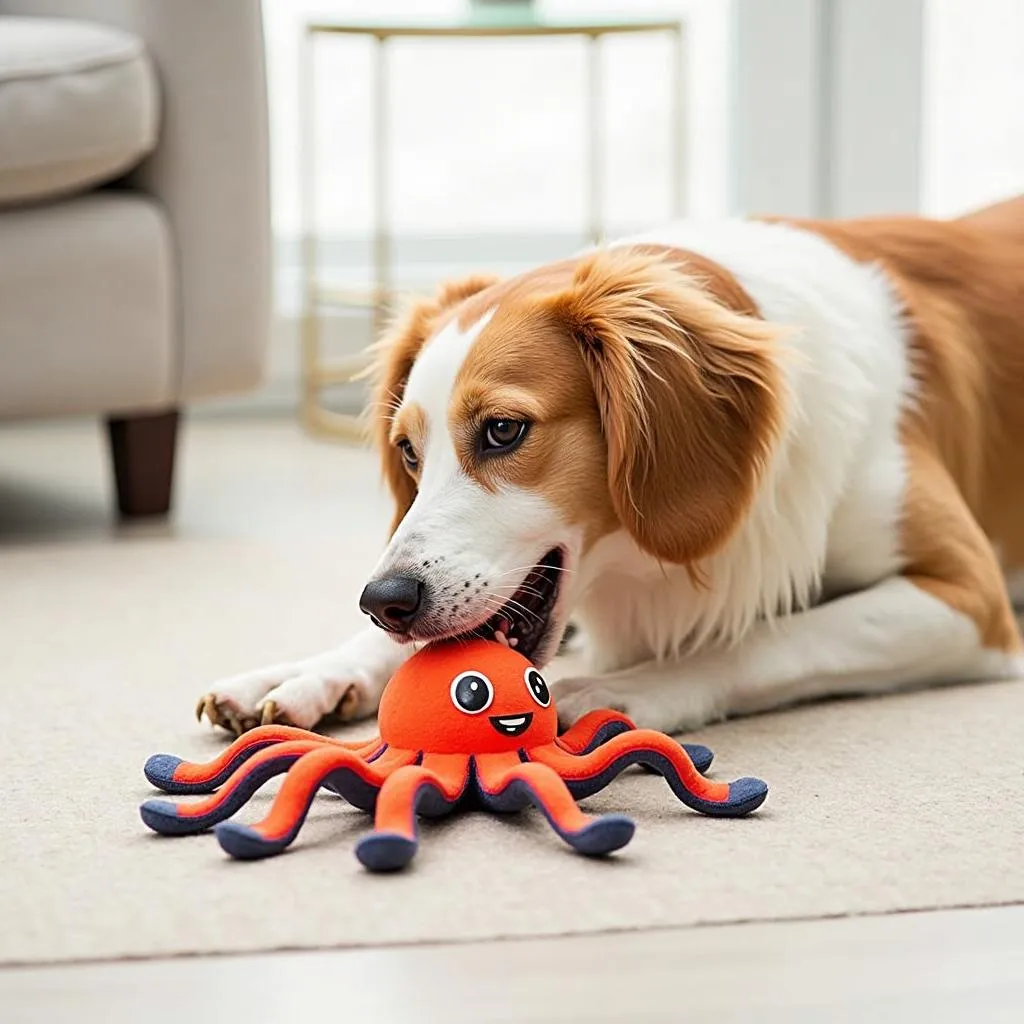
522, 421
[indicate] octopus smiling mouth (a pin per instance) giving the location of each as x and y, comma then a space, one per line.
512, 725
524, 621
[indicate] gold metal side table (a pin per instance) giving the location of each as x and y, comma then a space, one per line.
319, 372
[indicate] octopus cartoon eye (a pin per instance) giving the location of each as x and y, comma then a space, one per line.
537, 687
472, 692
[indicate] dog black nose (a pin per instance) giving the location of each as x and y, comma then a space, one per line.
392, 601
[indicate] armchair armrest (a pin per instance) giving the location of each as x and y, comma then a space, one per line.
210, 173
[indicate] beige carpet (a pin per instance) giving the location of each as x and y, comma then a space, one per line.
913, 801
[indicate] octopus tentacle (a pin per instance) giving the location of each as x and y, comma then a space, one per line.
506, 783
593, 729
171, 819
700, 755
431, 788
598, 727
175, 775
280, 827
361, 792
591, 772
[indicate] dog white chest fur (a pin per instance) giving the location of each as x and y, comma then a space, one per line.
806, 598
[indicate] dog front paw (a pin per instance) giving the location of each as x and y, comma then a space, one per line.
298, 694
307, 698
235, 703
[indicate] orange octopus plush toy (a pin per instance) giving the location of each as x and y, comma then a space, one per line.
459, 721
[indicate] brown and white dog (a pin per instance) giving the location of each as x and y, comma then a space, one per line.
759, 462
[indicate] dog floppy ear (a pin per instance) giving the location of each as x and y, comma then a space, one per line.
393, 357
689, 392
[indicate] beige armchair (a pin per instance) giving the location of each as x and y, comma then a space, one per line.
134, 218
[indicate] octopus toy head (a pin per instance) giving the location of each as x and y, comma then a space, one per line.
467, 697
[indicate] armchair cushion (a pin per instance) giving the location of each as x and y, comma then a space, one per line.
78, 106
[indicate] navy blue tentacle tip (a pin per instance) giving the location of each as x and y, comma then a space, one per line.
159, 771
245, 843
748, 794
385, 851
745, 795
700, 755
162, 816
603, 835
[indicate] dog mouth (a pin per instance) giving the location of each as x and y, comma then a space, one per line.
512, 725
524, 622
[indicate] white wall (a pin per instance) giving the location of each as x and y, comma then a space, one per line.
974, 109
827, 112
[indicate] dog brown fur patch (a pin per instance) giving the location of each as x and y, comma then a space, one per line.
656, 393
961, 284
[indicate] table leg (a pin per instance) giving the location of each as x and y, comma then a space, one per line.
380, 172
595, 142
310, 254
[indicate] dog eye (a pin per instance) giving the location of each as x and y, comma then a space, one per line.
472, 692
502, 435
409, 454
537, 687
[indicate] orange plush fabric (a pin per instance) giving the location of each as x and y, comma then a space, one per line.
459, 721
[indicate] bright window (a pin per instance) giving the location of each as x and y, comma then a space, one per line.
488, 137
